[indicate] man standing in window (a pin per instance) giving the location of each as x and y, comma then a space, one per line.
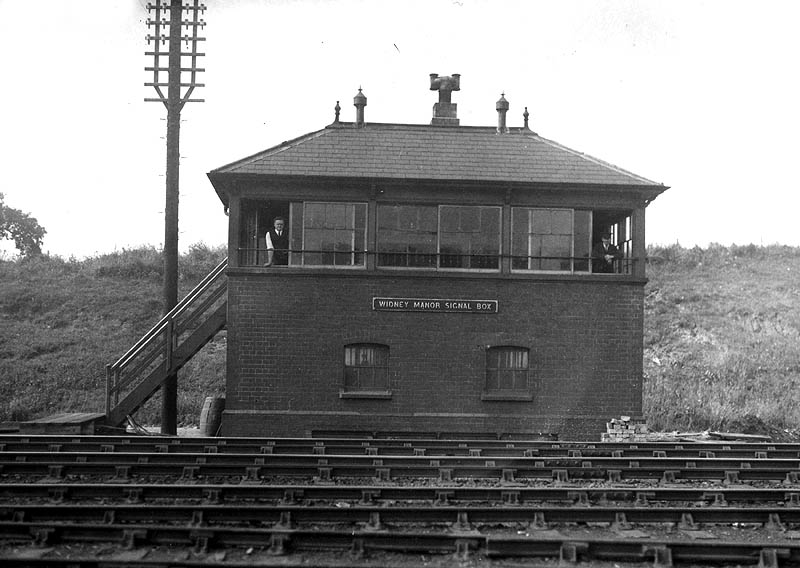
604, 254
277, 243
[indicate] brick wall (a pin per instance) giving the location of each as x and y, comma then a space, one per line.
287, 331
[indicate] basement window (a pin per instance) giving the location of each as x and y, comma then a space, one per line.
366, 371
507, 374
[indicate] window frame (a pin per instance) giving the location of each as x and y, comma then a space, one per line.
507, 394
379, 252
439, 254
353, 253
373, 391
573, 234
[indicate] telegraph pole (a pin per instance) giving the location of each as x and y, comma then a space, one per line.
167, 21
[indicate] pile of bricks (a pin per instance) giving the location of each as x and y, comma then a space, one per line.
623, 429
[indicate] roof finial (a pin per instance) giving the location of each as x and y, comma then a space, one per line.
525, 116
360, 101
502, 108
337, 109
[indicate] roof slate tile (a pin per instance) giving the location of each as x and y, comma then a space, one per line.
432, 153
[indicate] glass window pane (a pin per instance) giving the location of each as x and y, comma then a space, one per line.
407, 235
561, 222
545, 236
582, 240
469, 219
465, 241
556, 245
408, 219
388, 217
541, 221
314, 215
507, 368
334, 234
449, 219
519, 237
366, 367
336, 216
490, 222
360, 221
428, 218
314, 240
296, 233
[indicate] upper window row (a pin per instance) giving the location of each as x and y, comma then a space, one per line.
456, 237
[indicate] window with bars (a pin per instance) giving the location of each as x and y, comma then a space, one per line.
366, 367
507, 369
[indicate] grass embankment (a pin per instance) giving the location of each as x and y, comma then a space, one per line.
721, 335
722, 339
62, 321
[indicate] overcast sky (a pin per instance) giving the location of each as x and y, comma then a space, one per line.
701, 96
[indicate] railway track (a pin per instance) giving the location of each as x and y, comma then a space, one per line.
481, 501
254, 467
398, 447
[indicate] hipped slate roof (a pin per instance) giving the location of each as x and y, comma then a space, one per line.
424, 152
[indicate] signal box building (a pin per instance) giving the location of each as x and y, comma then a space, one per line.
439, 280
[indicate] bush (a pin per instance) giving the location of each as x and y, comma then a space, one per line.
141, 263
200, 260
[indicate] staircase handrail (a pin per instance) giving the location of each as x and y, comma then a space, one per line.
171, 315
165, 333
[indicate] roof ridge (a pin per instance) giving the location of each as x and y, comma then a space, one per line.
435, 127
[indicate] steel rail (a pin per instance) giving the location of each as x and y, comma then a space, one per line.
455, 442
174, 560
332, 448
459, 542
317, 459
379, 516
439, 494
326, 473
388, 494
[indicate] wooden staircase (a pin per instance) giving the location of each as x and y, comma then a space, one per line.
137, 375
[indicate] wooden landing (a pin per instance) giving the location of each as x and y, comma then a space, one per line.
64, 423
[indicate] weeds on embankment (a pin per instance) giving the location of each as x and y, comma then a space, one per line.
722, 326
63, 320
721, 344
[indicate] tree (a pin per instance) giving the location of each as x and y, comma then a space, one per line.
24, 230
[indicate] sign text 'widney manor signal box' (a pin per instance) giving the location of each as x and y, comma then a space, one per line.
436, 278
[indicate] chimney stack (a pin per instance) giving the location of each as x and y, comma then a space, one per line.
445, 112
502, 109
359, 101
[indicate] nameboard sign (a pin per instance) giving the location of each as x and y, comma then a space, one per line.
434, 305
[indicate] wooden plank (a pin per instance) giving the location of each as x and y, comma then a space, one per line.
66, 423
